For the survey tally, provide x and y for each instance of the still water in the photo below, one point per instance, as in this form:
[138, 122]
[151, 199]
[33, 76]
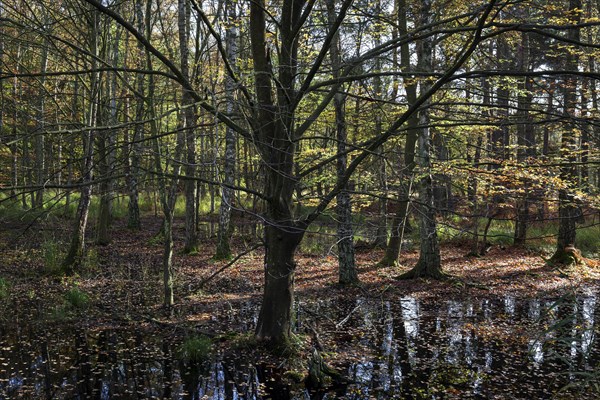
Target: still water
[481, 348]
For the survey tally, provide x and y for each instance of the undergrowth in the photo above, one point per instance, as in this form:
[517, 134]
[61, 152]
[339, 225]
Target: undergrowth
[195, 349]
[4, 289]
[77, 299]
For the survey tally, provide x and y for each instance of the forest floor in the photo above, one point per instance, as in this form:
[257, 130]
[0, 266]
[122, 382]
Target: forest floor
[127, 272]
[122, 284]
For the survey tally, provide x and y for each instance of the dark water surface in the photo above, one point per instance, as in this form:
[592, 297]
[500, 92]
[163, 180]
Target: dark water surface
[482, 348]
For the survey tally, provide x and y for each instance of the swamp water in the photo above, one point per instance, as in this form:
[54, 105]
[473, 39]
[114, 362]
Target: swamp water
[481, 348]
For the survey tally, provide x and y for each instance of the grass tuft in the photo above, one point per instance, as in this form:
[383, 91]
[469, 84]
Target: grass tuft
[195, 349]
[52, 256]
[77, 298]
[4, 289]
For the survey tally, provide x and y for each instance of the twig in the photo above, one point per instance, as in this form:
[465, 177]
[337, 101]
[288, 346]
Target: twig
[342, 322]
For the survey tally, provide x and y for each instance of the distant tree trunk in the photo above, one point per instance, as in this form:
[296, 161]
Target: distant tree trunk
[584, 145]
[345, 243]
[525, 139]
[135, 147]
[567, 209]
[429, 263]
[168, 196]
[76, 251]
[106, 153]
[381, 233]
[15, 133]
[500, 138]
[105, 190]
[472, 182]
[190, 118]
[39, 135]
[224, 232]
[400, 218]
[594, 115]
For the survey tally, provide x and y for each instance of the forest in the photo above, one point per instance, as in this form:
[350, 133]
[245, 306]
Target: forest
[299, 199]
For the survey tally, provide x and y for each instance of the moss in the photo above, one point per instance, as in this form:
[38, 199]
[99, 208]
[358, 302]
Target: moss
[242, 341]
[320, 374]
[567, 256]
[295, 376]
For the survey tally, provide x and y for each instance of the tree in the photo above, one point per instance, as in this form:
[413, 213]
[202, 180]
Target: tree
[345, 242]
[76, 250]
[224, 233]
[189, 122]
[567, 208]
[429, 263]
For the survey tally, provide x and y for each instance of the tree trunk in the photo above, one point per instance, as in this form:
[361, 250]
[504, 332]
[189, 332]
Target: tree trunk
[135, 149]
[525, 139]
[400, 219]
[274, 321]
[567, 211]
[429, 264]
[224, 233]
[39, 136]
[381, 233]
[345, 243]
[76, 251]
[274, 138]
[190, 118]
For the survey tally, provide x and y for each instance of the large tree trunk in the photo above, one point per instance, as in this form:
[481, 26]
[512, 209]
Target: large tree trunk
[274, 138]
[274, 322]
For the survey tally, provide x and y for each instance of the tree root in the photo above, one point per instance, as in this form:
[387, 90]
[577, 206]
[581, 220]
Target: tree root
[419, 271]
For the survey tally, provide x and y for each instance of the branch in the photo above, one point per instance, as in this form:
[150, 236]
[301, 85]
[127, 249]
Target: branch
[378, 141]
[170, 65]
[229, 264]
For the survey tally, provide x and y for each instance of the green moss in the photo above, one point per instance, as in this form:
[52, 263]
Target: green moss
[242, 341]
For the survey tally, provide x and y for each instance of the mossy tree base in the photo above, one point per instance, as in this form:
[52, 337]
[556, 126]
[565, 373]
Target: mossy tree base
[192, 251]
[320, 374]
[567, 256]
[223, 253]
[388, 262]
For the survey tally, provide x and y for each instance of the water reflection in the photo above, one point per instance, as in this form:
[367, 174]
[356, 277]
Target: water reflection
[482, 348]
